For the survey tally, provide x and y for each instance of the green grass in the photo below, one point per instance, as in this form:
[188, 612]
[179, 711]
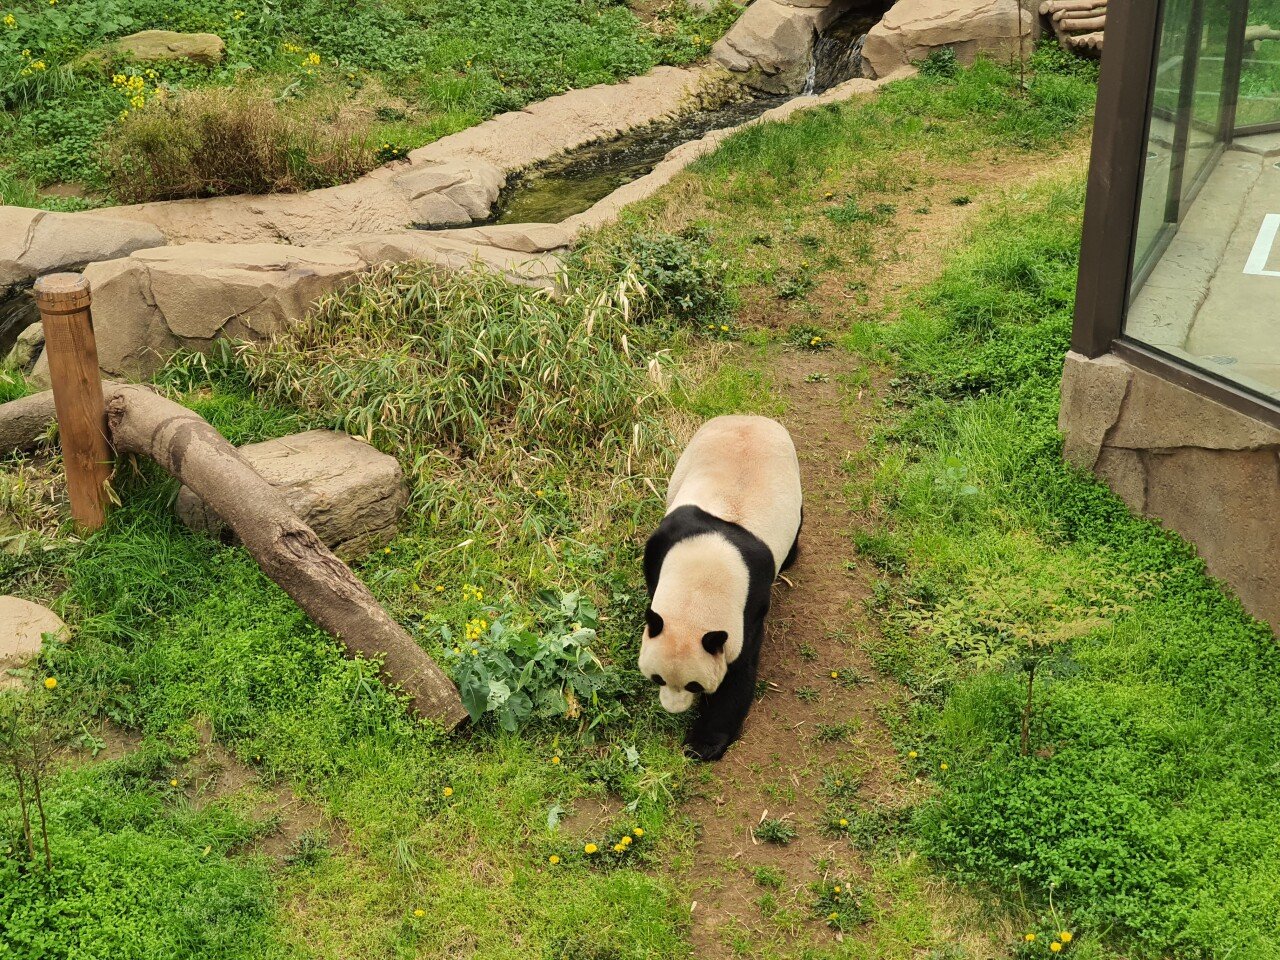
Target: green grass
[1143, 809]
[382, 73]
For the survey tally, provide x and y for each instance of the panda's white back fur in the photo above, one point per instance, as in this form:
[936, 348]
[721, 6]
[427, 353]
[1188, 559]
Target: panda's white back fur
[743, 469]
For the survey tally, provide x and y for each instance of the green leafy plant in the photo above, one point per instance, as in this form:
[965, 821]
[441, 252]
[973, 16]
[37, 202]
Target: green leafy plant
[841, 906]
[775, 830]
[517, 673]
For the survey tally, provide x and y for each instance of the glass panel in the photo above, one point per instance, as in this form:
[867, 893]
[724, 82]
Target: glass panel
[1207, 274]
[1260, 73]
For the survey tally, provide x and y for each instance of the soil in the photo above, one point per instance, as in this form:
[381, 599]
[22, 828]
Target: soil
[786, 765]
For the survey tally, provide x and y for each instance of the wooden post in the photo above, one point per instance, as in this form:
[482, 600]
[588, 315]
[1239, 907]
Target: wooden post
[63, 299]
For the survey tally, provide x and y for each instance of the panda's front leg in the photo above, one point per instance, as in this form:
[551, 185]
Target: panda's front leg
[722, 714]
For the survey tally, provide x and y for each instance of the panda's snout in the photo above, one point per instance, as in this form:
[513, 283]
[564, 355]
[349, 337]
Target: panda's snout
[675, 701]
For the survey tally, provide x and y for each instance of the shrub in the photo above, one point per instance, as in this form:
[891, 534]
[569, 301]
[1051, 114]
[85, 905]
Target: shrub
[216, 142]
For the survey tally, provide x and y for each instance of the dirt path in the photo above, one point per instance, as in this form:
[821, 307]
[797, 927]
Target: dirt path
[815, 746]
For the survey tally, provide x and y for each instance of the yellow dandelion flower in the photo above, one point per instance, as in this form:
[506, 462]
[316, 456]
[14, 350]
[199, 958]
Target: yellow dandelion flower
[724, 327]
[1065, 936]
[835, 674]
[619, 848]
[439, 588]
[53, 3]
[832, 916]
[944, 765]
[844, 822]
[553, 859]
[539, 493]
[386, 549]
[625, 841]
[419, 912]
[50, 682]
[590, 848]
[1055, 946]
[837, 889]
[911, 754]
[1030, 938]
[555, 759]
[173, 783]
[638, 831]
[447, 791]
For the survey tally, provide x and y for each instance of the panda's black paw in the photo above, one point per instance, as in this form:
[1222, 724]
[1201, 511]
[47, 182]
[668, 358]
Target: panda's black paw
[707, 747]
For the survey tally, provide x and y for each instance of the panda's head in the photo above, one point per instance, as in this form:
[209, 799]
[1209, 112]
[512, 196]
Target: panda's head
[693, 627]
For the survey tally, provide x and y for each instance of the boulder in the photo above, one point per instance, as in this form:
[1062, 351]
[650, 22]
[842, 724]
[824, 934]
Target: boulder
[772, 42]
[35, 242]
[203, 48]
[26, 349]
[23, 625]
[350, 494]
[912, 29]
[154, 302]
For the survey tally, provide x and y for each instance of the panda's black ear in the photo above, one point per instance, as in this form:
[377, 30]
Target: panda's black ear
[654, 621]
[714, 641]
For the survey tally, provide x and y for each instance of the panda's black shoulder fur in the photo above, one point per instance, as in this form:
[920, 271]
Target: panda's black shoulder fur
[721, 714]
[692, 521]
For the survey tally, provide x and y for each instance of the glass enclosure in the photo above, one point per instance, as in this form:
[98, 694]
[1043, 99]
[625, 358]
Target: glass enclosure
[1206, 268]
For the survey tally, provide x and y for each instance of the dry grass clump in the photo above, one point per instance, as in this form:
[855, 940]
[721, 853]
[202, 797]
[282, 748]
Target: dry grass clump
[217, 142]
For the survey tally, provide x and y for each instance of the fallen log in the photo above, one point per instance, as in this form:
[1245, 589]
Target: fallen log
[1063, 6]
[287, 550]
[1084, 24]
[25, 422]
[1086, 41]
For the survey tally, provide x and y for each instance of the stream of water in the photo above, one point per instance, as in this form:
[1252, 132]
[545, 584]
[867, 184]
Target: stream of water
[17, 312]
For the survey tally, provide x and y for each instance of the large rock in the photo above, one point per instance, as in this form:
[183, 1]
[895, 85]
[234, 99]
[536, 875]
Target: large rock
[204, 48]
[26, 349]
[772, 42]
[35, 242]
[350, 494]
[23, 625]
[148, 305]
[913, 29]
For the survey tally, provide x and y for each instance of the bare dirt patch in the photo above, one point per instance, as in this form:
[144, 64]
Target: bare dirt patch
[815, 743]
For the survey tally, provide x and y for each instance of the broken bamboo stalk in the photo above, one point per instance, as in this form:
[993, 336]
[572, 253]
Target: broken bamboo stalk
[287, 550]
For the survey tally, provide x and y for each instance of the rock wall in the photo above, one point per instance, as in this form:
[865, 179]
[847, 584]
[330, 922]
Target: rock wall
[771, 44]
[913, 29]
[1206, 471]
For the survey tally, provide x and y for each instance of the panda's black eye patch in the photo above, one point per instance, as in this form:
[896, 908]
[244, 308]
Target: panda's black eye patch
[658, 680]
[714, 641]
[654, 622]
[693, 686]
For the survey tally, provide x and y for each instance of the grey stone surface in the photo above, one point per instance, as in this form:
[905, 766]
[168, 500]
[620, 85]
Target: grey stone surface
[26, 349]
[349, 493]
[912, 29]
[152, 45]
[36, 242]
[1093, 392]
[23, 625]
[771, 43]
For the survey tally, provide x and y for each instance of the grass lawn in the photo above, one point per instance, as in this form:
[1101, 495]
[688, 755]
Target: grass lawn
[305, 96]
[893, 278]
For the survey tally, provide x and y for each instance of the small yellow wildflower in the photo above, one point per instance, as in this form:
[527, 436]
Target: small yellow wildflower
[1065, 936]
[38, 65]
[53, 3]
[832, 916]
[638, 831]
[1030, 938]
[553, 859]
[944, 766]
[539, 493]
[419, 912]
[138, 102]
[835, 674]
[911, 754]
[313, 59]
[844, 822]
[10, 20]
[238, 15]
[555, 759]
[476, 627]
[50, 682]
[123, 114]
[837, 889]
[447, 791]
[590, 848]
[724, 328]
[1055, 946]
[439, 588]
[619, 848]
[625, 841]
[829, 194]
[26, 53]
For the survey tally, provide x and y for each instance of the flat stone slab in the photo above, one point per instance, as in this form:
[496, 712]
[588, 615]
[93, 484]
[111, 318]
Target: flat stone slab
[35, 242]
[350, 494]
[23, 625]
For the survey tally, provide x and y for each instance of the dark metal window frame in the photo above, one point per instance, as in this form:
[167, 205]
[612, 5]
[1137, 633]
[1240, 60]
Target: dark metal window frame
[1113, 195]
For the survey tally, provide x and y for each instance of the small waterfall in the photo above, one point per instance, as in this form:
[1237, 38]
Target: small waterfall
[837, 51]
[17, 312]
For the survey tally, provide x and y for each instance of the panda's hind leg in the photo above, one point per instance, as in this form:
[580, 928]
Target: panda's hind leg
[795, 545]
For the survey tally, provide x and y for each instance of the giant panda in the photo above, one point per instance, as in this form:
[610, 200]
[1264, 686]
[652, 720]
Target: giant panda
[734, 509]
